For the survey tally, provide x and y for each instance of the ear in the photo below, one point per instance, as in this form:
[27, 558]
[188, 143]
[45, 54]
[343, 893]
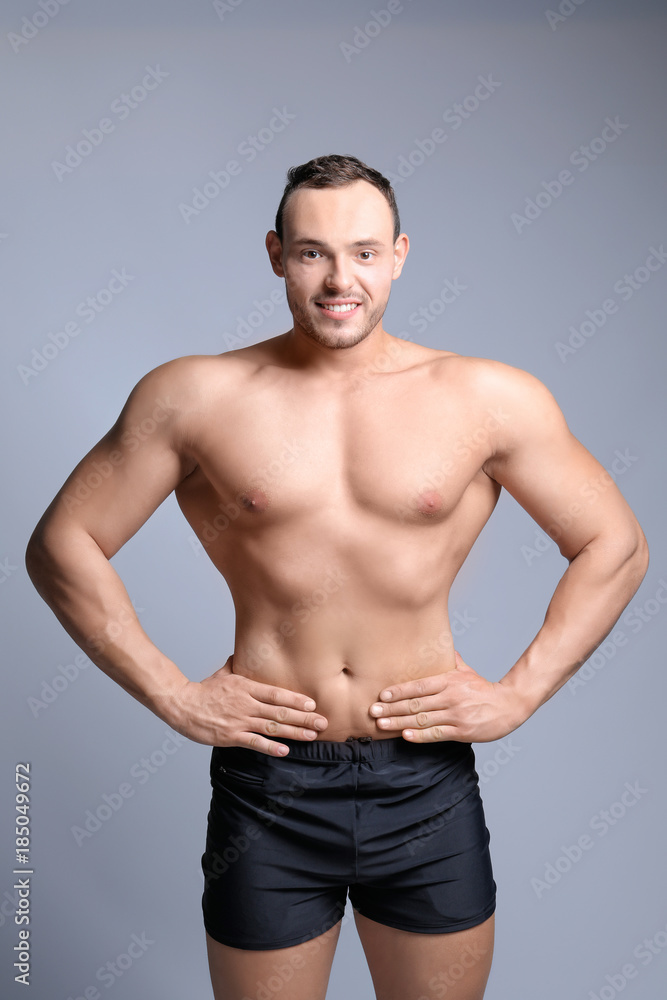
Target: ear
[275, 251]
[401, 247]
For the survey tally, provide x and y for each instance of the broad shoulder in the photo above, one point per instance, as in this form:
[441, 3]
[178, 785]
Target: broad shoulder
[191, 381]
[486, 379]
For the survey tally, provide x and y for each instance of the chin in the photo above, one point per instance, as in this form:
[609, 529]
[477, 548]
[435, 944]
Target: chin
[337, 338]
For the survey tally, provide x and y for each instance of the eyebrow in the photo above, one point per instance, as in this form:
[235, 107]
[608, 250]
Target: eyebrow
[370, 242]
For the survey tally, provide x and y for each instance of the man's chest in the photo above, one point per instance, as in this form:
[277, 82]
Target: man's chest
[399, 453]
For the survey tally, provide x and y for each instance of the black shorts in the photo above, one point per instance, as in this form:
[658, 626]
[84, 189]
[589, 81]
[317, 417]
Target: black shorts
[400, 825]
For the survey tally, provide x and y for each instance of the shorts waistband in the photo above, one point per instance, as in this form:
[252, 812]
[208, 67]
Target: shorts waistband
[366, 748]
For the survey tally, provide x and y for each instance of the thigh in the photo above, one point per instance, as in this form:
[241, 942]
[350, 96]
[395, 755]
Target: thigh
[411, 966]
[300, 972]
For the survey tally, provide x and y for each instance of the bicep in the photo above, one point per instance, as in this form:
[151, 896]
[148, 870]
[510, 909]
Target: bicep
[126, 476]
[554, 477]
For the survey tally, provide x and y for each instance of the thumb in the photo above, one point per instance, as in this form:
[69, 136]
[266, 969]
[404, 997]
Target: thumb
[228, 666]
[460, 662]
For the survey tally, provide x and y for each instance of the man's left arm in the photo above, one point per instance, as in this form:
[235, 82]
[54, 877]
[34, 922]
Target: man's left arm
[571, 496]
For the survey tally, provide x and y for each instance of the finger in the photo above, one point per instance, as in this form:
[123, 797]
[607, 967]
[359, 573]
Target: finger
[270, 694]
[253, 741]
[413, 689]
[411, 706]
[422, 720]
[268, 727]
[290, 717]
[278, 729]
[434, 734]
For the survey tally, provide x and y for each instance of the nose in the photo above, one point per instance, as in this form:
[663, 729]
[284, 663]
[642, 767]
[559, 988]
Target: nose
[339, 275]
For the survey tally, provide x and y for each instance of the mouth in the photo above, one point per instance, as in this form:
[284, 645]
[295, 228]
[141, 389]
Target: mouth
[338, 310]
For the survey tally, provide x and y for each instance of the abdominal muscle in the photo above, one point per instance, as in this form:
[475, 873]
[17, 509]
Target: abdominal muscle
[343, 657]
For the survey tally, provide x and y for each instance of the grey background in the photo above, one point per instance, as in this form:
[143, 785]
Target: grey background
[192, 284]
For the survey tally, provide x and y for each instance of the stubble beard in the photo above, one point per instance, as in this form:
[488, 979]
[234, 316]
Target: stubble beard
[328, 338]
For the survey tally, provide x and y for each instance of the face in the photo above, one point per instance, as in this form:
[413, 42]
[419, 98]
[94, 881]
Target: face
[338, 258]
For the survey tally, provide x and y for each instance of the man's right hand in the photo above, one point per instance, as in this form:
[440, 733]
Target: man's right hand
[228, 709]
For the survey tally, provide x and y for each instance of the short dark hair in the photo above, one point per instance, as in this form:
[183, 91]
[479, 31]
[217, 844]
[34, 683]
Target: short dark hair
[335, 171]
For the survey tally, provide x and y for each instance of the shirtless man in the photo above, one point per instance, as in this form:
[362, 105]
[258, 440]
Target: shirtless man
[337, 477]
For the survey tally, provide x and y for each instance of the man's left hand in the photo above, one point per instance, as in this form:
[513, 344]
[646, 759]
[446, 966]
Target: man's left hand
[456, 705]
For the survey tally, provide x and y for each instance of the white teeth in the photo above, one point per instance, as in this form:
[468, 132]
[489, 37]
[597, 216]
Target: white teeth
[340, 309]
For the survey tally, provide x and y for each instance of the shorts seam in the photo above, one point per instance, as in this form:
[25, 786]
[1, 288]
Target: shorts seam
[459, 925]
[262, 946]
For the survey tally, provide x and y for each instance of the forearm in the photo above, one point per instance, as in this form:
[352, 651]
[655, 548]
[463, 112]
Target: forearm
[597, 585]
[87, 596]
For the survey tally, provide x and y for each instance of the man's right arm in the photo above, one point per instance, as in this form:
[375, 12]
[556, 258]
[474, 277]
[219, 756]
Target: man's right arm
[106, 499]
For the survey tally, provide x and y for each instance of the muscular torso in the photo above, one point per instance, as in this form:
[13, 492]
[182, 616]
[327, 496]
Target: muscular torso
[339, 513]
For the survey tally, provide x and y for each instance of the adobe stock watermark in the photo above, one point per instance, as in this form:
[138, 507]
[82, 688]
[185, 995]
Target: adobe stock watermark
[87, 310]
[247, 326]
[109, 973]
[132, 439]
[112, 802]
[451, 289]
[387, 360]
[31, 26]
[248, 150]
[222, 7]
[565, 10]
[582, 157]
[449, 978]
[301, 612]
[219, 862]
[283, 971]
[262, 479]
[66, 674]
[7, 569]
[121, 107]
[124, 615]
[376, 24]
[590, 491]
[445, 466]
[625, 288]
[635, 619]
[9, 905]
[454, 117]
[436, 649]
[445, 811]
[51, 690]
[645, 952]
[601, 823]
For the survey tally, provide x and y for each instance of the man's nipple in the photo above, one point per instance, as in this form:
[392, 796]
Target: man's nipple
[429, 502]
[254, 500]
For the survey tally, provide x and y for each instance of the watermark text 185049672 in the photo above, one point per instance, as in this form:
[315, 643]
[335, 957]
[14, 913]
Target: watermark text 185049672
[22, 916]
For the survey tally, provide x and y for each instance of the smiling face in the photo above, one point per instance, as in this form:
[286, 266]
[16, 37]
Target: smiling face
[338, 258]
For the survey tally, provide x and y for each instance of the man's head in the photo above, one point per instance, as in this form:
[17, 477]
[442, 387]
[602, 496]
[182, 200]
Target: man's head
[335, 171]
[337, 243]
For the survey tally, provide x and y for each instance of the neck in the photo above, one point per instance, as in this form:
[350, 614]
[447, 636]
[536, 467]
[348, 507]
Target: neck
[375, 353]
